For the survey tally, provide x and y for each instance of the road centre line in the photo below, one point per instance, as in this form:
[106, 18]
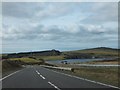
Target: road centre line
[40, 75]
[54, 86]
[37, 72]
[48, 82]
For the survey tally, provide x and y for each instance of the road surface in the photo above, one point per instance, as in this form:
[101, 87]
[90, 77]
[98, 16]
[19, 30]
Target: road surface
[40, 77]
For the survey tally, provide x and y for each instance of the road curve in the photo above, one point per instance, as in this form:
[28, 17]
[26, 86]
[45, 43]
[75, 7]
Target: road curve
[39, 77]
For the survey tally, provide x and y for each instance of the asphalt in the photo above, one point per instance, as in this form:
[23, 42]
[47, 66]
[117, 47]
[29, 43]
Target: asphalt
[40, 77]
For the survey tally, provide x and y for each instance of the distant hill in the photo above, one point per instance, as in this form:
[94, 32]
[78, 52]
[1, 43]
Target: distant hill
[36, 53]
[99, 52]
[102, 48]
[98, 49]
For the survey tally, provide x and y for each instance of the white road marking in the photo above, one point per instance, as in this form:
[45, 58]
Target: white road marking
[37, 72]
[54, 86]
[42, 77]
[40, 74]
[85, 79]
[9, 75]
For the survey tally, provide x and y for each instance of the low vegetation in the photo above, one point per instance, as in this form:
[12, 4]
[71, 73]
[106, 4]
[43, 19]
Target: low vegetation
[60, 57]
[101, 74]
[107, 62]
[25, 59]
[9, 66]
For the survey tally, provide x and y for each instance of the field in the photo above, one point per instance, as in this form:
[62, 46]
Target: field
[59, 57]
[107, 62]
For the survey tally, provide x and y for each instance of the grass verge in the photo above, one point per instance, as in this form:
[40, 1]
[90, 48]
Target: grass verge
[9, 67]
[106, 75]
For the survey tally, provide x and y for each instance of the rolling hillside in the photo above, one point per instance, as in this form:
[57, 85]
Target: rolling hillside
[100, 52]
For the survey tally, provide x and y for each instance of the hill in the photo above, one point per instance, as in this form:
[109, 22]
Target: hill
[99, 52]
[35, 53]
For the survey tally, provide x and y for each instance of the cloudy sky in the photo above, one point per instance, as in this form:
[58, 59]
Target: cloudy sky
[63, 26]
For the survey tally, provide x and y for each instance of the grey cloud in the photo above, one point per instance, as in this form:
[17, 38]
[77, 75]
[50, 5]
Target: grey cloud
[34, 10]
[57, 33]
[102, 12]
[20, 10]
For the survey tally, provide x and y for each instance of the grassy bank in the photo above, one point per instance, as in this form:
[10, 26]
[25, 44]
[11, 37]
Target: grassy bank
[9, 66]
[100, 74]
[12, 64]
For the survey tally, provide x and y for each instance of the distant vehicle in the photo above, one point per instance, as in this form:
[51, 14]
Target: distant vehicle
[64, 62]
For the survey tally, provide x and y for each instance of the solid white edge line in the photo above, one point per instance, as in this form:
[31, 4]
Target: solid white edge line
[9, 75]
[54, 86]
[85, 79]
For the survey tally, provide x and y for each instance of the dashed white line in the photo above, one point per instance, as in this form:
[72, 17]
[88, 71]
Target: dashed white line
[48, 82]
[54, 86]
[9, 75]
[37, 72]
[42, 77]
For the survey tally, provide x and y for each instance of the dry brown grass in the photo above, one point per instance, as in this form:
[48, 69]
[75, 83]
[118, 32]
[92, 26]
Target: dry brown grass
[104, 75]
[104, 62]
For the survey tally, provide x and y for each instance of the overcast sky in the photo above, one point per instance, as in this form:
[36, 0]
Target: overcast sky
[62, 26]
